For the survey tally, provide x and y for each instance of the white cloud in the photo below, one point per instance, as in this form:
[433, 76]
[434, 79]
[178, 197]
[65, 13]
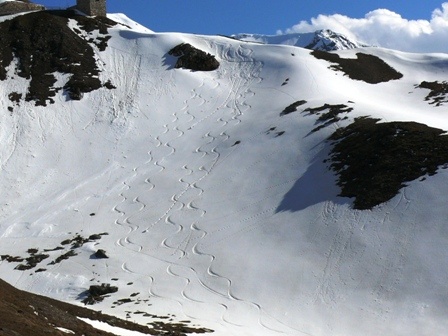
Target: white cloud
[388, 29]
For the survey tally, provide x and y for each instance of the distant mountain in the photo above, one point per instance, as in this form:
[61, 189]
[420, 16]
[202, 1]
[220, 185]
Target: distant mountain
[324, 40]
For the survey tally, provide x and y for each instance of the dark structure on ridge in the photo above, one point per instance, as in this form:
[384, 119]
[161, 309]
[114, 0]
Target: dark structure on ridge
[92, 7]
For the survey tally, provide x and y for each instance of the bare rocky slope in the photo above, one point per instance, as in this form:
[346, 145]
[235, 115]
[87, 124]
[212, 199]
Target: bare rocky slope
[25, 314]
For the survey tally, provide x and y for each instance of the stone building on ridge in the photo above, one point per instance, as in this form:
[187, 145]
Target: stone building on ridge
[92, 7]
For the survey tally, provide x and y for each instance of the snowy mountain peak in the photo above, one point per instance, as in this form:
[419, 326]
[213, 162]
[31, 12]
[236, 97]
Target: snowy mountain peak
[325, 40]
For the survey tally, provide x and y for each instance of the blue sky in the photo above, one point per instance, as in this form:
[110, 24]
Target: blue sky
[249, 16]
[407, 25]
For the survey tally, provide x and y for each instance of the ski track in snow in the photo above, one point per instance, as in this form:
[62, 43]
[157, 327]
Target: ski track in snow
[187, 236]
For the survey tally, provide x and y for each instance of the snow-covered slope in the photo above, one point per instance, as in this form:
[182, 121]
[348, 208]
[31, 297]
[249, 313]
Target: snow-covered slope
[212, 205]
[325, 40]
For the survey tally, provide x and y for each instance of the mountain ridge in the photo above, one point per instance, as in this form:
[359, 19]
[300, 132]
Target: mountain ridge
[323, 40]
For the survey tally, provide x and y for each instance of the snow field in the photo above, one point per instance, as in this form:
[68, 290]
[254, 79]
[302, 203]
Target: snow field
[213, 214]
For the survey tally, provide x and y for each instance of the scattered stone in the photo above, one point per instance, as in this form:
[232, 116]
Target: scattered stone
[330, 117]
[109, 85]
[10, 259]
[272, 129]
[65, 256]
[79, 241]
[54, 249]
[122, 301]
[32, 261]
[15, 97]
[97, 293]
[438, 92]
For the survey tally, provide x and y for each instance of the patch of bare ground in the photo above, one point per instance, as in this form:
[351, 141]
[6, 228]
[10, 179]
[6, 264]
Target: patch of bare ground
[34, 258]
[192, 58]
[438, 92]
[25, 314]
[39, 317]
[328, 114]
[374, 160]
[365, 67]
[293, 107]
[43, 44]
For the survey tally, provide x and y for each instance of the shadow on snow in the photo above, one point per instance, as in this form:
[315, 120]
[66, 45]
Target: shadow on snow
[316, 185]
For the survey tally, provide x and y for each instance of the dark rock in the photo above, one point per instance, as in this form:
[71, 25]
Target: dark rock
[9, 258]
[65, 256]
[15, 97]
[96, 293]
[365, 67]
[103, 289]
[101, 254]
[293, 107]
[374, 160]
[331, 115]
[438, 92]
[43, 44]
[192, 58]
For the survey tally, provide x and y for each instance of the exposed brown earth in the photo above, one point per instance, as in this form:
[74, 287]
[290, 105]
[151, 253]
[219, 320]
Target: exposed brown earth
[367, 68]
[438, 92]
[328, 114]
[40, 52]
[375, 160]
[26, 314]
[293, 107]
[192, 58]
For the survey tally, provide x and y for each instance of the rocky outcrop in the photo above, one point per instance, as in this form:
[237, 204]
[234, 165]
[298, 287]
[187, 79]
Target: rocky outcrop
[67, 51]
[192, 58]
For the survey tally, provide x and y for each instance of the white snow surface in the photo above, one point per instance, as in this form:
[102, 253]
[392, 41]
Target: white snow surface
[113, 330]
[245, 238]
[67, 331]
[125, 20]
